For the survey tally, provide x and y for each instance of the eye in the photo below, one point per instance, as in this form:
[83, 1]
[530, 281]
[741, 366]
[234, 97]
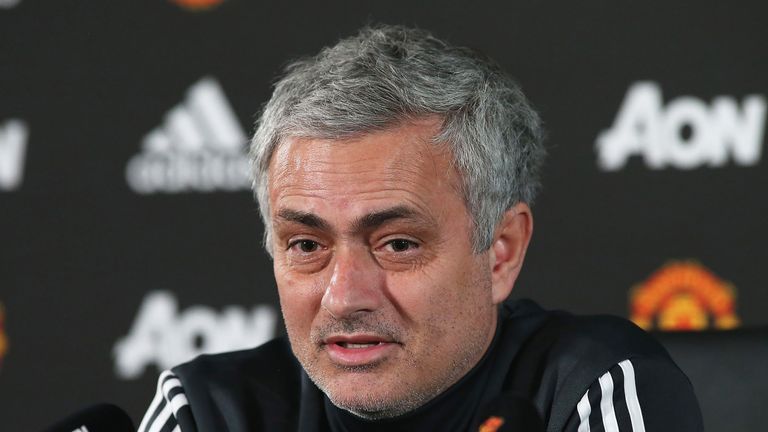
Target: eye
[305, 246]
[402, 245]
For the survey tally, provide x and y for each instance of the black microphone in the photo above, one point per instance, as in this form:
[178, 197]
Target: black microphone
[509, 413]
[97, 418]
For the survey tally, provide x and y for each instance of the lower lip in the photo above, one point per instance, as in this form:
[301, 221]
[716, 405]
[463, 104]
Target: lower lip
[359, 356]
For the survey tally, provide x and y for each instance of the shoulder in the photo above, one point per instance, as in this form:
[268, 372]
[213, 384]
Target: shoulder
[599, 336]
[270, 361]
[643, 393]
[567, 354]
[268, 368]
[258, 389]
[599, 340]
[169, 409]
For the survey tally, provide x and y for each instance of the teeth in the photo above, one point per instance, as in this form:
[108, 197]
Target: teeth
[357, 345]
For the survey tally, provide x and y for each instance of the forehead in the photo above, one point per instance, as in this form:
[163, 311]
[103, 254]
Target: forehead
[399, 163]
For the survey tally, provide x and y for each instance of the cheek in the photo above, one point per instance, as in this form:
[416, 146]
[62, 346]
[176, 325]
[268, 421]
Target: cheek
[300, 302]
[414, 296]
[449, 298]
[427, 301]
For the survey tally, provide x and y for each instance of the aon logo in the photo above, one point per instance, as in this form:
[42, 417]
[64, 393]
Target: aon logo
[685, 134]
[163, 336]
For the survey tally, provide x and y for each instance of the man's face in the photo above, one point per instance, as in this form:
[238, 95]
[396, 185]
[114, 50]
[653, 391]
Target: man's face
[384, 301]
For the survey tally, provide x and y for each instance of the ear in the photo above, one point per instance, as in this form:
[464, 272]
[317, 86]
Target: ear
[510, 241]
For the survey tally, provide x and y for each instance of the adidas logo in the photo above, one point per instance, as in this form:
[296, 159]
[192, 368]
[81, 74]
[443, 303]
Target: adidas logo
[13, 146]
[200, 147]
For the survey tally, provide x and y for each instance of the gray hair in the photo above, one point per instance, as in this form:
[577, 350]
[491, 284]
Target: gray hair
[389, 74]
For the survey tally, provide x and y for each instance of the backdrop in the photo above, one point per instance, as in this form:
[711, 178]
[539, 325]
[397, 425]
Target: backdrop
[130, 241]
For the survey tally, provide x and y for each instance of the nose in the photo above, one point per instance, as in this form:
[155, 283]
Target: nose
[356, 285]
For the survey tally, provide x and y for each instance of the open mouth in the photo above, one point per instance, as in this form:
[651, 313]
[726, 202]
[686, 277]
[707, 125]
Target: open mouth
[357, 345]
[359, 350]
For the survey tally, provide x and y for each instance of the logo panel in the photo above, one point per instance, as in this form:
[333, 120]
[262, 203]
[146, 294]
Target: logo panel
[7, 4]
[13, 147]
[200, 147]
[3, 336]
[683, 295]
[162, 335]
[685, 134]
[197, 5]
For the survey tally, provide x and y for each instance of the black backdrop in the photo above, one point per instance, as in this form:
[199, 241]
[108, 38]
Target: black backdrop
[97, 274]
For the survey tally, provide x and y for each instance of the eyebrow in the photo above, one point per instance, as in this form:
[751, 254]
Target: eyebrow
[365, 222]
[304, 218]
[378, 218]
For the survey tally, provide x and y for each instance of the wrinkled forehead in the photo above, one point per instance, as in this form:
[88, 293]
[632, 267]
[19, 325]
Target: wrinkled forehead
[405, 145]
[405, 157]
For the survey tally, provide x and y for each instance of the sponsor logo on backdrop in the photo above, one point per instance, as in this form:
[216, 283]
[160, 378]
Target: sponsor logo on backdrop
[684, 295]
[3, 336]
[163, 336]
[7, 4]
[13, 147]
[200, 147]
[687, 133]
[197, 5]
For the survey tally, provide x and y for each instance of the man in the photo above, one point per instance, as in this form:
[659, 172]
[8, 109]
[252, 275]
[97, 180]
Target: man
[394, 174]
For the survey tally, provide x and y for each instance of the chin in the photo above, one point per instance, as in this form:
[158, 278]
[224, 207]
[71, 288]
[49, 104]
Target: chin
[370, 406]
[370, 400]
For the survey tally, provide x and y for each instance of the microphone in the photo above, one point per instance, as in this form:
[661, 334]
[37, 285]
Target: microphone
[97, 418]
[510, 413]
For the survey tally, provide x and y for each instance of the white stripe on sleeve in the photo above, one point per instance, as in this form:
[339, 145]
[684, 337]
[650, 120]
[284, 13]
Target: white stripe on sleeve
[606, 403]
[630, 393]
[152, 408]
[177, 402]
[585, 409]
[162, 410]
[170, 383]
[161, 419]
